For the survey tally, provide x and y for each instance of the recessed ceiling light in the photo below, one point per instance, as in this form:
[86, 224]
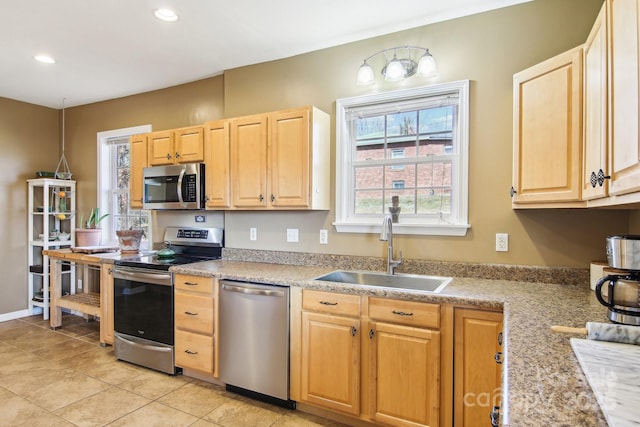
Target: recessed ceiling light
[45, 59]
[167, 15]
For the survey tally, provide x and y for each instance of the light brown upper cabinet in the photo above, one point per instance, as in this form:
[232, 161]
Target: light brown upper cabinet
[280, 160]
[547, 131]
[624, 75]
[216, 158]
[595, 174]
[184, 145]
[138, 161]
[546, 127]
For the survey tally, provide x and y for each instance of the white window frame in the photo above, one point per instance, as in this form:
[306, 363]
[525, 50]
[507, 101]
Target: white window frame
[104, 174]
[347, 222]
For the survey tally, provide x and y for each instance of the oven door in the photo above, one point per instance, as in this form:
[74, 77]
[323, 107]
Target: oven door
[143, 304]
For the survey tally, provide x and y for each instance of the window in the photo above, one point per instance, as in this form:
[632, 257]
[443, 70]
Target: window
[113, 186]
[410, 143]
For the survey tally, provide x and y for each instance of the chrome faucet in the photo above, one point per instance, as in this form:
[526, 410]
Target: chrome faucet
[387, 234]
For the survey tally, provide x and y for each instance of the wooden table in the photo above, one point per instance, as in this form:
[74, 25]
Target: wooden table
[91, 303]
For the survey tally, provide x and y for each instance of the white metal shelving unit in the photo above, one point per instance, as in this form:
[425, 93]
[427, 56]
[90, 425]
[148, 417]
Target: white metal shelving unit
[51, 209]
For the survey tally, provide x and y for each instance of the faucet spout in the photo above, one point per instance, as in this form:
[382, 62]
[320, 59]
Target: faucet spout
[386, 234]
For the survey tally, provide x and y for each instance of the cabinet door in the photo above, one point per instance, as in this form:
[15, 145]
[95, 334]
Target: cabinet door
[161, 148]
[138, 159]
[189, 144]
[194, 312]
[331, 362]
[216, 151]
[477, 375]
[249, 161]
[595, 169]
[547, 130]
[289, 147]
[624, 138]
[404, 375]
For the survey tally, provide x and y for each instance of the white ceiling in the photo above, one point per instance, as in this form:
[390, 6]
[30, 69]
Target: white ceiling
[107, 49]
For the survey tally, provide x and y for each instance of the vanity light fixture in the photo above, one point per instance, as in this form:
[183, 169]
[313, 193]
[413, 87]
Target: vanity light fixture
[399, 63]
[46, 59]
[166, 15]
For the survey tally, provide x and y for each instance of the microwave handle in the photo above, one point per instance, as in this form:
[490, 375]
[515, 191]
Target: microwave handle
[179, 186]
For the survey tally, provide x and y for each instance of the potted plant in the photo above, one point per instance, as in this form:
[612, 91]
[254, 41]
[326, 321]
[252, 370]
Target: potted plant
[130, 236]
[88, 233]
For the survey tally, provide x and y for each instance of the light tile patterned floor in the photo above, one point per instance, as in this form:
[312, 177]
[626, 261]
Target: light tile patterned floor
[65, 378]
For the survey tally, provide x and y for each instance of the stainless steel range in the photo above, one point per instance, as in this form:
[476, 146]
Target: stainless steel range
[143, 296]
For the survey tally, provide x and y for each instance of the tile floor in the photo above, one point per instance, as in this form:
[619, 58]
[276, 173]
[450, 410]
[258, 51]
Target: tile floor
[65, 378]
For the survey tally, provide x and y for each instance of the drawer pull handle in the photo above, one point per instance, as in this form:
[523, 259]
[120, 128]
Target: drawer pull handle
[190, 283]
[189, 313]
[328, 303]
[402, 313]
[190, 352]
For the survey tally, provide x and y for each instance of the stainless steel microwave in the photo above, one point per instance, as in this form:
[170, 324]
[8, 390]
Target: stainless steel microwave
[173, 187]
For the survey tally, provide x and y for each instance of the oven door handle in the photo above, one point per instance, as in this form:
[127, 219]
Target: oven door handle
[139, 276]
[252, 291]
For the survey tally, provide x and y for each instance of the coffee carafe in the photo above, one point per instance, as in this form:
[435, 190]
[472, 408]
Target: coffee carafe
[620, 293]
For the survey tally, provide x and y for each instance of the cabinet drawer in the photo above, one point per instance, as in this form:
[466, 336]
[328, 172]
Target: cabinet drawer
[193, 283]
[331, 302]
[194, 351]
[194, 313]
[405, 312]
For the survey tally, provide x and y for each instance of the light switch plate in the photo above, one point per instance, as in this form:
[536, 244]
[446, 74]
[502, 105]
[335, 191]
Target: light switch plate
[502, 242]
[324, 237]
[253, 233]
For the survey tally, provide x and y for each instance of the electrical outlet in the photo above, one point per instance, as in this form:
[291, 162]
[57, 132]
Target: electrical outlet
[324, 237]
[292, 235]
[502, 242]
[253, 233]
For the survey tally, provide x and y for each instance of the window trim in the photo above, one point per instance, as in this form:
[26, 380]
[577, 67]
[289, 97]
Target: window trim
[103, 163]
[344, 223]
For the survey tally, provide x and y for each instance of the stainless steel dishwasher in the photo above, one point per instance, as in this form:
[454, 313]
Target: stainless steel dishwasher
[254, 340]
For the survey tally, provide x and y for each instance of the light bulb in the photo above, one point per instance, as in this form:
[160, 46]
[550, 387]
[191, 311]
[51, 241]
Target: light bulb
[394, 71]
[427, 66]
[365, 75]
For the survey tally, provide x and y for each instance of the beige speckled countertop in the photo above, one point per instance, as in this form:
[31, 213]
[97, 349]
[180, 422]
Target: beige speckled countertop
[543, 382]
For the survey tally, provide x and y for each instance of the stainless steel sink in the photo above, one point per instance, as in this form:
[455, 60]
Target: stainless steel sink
[399, 281]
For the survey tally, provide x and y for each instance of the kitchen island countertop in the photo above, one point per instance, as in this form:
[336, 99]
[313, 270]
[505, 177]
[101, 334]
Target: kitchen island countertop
[543, 382]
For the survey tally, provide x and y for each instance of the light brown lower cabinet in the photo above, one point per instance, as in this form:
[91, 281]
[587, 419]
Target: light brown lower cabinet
[196, 323]
[477, 366]
[404, 375]
[330, 365]
[371, 358]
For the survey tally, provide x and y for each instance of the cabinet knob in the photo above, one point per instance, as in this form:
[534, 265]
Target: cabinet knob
[371, 334]
[273, 198]
[512, 192]
[601, 177]
[498, 358]
[500, 338]
[177, 154]
[168, 156]
[593, 179]
[354, 331]
[260, 197]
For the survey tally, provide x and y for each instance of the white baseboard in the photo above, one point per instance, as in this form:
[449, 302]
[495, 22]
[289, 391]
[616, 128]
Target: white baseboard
[18, 314]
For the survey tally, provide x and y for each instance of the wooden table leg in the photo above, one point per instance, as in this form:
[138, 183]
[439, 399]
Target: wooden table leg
[55, 282]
